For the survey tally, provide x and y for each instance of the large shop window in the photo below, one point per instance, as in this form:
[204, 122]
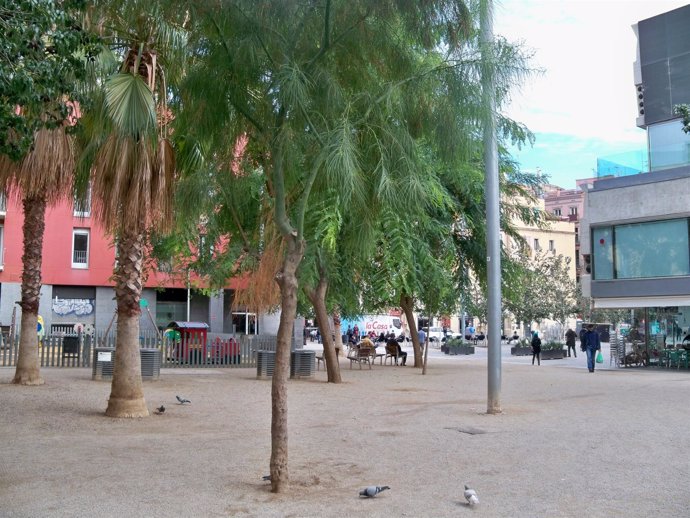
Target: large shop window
[641, 250]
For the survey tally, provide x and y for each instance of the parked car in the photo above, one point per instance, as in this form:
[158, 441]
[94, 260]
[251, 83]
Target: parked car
[435, 334]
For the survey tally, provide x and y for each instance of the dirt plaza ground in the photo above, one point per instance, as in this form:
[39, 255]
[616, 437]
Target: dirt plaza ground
[568, 443]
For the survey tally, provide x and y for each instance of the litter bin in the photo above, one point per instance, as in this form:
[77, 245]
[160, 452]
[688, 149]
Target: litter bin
[302, 363]
[265, 364]
[103, 358]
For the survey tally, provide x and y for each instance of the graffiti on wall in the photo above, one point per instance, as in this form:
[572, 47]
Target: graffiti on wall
[79, 307]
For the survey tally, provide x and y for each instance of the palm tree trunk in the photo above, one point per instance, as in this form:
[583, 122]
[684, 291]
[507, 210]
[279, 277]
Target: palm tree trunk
[317, 297]
[287, 281]
[28, 365]
[407, 305]
[127, 390]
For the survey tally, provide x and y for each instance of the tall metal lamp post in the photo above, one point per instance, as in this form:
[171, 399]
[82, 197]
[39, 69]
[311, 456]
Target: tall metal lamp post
[493, 237]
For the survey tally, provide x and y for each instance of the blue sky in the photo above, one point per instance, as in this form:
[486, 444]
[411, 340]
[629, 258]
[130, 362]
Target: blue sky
[583, 105]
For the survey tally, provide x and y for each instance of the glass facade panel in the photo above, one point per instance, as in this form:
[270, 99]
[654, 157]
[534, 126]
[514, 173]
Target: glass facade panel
[602, 253]
[654, 249]
[668, 145]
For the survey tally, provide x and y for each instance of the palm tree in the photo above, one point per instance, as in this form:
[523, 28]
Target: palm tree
[42, 177]
[132, 164]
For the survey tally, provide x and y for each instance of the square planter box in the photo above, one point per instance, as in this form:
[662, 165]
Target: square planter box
[465, 349]
[522, 351]
[552, 354]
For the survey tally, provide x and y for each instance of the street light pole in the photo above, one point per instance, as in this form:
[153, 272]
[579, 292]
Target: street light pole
[493, 237]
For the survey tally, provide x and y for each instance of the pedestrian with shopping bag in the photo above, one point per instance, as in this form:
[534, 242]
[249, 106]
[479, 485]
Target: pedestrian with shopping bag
[592, 345]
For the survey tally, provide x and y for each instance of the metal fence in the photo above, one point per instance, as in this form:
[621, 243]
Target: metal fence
[219, 350]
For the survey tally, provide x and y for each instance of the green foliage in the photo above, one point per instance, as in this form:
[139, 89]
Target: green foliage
[551, 346]
[541, 289]
[130, 104]
[42, 58]
[684, 111]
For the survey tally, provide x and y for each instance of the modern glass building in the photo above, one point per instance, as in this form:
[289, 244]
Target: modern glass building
[635, 237]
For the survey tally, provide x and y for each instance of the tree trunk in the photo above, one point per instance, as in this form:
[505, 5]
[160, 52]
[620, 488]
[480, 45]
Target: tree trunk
[338, 331]
[127, 389]
[317, 297]
[28, 370]
[287, 281]
[407, 305]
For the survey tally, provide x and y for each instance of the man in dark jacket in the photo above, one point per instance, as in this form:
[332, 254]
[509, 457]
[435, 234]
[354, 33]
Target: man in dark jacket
[592, 344]
[570, 336]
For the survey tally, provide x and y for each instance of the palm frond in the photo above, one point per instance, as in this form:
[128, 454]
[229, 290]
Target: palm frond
[130, 105]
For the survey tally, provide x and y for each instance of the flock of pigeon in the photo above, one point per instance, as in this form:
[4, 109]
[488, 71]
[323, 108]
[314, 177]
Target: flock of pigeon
[181, 400]
[372, 491]
[367, 492]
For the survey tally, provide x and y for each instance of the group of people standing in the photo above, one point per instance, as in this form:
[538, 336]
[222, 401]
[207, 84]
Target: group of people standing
[589, 343]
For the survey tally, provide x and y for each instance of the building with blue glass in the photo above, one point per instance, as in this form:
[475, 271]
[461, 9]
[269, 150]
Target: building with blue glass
[635, 237]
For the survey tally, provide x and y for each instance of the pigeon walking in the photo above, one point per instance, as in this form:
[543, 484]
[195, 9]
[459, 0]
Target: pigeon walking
[160, 409]
[267, 478]
[471, 496]
[372, 491]
[182, 400]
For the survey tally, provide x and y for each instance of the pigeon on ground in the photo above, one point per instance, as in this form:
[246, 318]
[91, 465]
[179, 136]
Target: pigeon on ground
[267, 478]
[160, 409]
[182, 400]
[471, 496]
[372, 491]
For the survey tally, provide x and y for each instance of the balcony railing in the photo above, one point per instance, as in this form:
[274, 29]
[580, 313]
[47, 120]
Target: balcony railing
[80, 257]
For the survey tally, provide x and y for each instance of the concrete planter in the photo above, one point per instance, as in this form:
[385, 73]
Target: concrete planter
[521, 351]
[465, 349]
[553, 354]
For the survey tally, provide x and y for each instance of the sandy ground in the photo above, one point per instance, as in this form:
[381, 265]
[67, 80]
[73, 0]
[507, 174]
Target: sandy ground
[569, 443]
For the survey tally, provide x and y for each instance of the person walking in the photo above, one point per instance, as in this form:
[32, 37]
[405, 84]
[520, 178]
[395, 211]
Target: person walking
[536, 348]
[592, 344]
[421, 336]
[570, 336]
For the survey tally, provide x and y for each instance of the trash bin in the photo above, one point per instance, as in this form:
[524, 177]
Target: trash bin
[103, 359]
[265, 364]
[302, 363]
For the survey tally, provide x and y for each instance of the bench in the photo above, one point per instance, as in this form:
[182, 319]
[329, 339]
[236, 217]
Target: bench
[361, 355]
[320, 359]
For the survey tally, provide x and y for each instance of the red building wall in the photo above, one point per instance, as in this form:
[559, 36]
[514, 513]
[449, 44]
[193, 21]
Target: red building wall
[57, 250]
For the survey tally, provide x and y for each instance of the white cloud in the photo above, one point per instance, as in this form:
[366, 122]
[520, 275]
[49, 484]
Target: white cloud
[586, 49]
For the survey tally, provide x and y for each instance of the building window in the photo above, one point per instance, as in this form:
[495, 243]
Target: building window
[654, 249]
[573, 211]
[556, 212]
[3, 202]
[80, 248]
[641, 250]
[536, 245]
[2, 247]
[83, 209]
[668, 145]
[552, 246]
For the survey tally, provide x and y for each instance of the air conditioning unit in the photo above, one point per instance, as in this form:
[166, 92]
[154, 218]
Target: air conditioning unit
[265, 364]
[302, 363]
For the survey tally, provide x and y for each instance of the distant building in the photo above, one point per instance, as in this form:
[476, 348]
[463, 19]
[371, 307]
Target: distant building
[78, 261]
